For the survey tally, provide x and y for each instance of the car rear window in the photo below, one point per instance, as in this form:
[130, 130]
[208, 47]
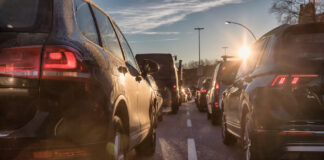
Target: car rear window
[25, 15]
[166, 71]
[305, 46]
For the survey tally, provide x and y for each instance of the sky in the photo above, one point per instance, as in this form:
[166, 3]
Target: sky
[167, 26]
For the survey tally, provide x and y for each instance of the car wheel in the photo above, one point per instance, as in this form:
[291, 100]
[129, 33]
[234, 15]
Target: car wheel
[248, 144]
[174, 109]
[118, 147]
[147, 147]
[215, 119]
[227, 137]
[208, 115]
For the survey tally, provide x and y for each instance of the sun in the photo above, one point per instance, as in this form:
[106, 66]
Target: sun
[244, 52]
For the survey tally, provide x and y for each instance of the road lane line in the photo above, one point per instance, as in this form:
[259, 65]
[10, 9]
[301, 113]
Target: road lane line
[192, 153]
[189, 123]
[188, 113]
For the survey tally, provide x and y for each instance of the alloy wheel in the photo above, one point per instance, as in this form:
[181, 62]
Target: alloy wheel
[118, 153]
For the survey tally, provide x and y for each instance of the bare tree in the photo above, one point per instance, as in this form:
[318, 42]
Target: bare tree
[287, 11]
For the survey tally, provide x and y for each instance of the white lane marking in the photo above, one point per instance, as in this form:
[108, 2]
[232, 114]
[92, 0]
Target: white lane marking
[192, 153]
[189, 123]
[188, 113]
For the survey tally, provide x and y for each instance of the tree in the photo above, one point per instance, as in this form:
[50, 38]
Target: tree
[288, 11]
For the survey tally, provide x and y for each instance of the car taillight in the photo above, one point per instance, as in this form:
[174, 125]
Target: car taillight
[291, 79]
[217, 86]
[174, 86]
[20, 61]
[216, 105]
[61, 153]
[61, 62]
[203, 90]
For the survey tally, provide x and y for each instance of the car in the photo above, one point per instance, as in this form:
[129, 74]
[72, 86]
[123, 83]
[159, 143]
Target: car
[198, 88]
[184, 96]
[275, 104]
[69, 83]
[158, 98]
[166, 78]
[214, 95]
[202, 99]
[188, 91]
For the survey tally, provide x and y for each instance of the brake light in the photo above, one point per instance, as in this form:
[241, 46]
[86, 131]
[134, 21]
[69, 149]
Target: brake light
[203, 90]
[174, 86]
[20, 61]
[217, 86]
[291, 79]
[62, 62]
[216, 105]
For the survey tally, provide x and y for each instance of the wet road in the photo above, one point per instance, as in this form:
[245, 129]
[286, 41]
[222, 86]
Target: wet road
[188, 135]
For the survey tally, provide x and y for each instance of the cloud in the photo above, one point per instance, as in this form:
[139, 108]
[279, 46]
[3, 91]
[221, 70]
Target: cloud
[142, 18]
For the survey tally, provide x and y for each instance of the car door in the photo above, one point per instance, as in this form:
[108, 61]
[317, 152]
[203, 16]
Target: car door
[143, 91]
[237, 94]
[124, 81]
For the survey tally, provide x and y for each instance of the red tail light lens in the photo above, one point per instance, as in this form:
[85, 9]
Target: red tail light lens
[203, 90]
[292, 79]
[62, 62]
[216, 105]
[61, 153]
[174, 86]
[20, 61]
[217, 86]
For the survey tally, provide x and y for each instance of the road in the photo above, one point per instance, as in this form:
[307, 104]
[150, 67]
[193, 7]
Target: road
[188, 135]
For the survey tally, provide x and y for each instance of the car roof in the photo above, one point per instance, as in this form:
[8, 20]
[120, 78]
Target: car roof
[298, 28]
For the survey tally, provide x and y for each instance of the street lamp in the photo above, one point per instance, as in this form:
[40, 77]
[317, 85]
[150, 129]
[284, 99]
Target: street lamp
[199, 29]
[229, 22]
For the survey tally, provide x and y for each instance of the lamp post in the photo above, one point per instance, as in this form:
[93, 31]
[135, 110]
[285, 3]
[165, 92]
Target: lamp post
[199, 29]
[229, 22]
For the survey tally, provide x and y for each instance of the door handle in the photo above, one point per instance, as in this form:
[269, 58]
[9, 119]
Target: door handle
[122, 69]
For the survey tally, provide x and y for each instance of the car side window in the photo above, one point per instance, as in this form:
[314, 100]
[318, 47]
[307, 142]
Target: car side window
[108, 34]
[128, 51]
[85, 21]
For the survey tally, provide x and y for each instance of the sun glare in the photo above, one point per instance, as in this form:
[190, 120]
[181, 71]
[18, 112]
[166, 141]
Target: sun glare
[244, 52]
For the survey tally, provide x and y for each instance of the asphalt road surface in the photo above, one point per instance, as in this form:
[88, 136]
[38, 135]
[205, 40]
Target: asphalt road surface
[188, 135]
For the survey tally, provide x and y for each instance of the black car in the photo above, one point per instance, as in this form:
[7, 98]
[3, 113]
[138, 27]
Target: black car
[68, 84]
[214, 94]
[198, 88]
[166, 78]
[276, 102]
[201, 98]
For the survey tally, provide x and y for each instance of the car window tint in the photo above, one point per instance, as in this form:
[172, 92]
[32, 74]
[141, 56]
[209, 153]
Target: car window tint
[85, 21]
[108, 34]
[128, 51]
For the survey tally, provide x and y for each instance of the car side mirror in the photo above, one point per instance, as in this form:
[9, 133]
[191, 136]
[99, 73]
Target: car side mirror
[150, 67]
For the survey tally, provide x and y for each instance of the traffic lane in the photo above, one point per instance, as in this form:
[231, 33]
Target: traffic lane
[173, 134]
[209, 139]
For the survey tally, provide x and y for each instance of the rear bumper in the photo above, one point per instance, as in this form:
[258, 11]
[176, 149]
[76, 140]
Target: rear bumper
[275, 143]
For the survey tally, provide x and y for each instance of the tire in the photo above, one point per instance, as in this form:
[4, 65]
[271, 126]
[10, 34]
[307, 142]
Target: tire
[117, 147]
[248, 143]
[216, 120]
[174, 109]
[147, 147]
[208, 115]
[227, 137]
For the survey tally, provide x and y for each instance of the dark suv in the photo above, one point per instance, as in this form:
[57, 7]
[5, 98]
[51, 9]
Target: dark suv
[225, 68]
[69, 84]
[276, 103]
[166, 78]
